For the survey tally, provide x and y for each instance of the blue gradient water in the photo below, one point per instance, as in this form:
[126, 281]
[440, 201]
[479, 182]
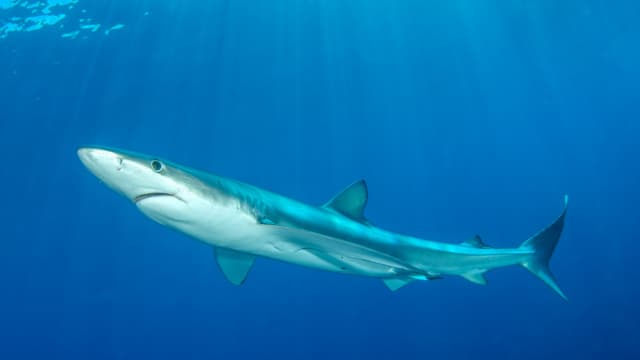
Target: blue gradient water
[464, 117]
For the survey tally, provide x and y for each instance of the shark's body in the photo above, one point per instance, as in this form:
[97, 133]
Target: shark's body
[243, 222]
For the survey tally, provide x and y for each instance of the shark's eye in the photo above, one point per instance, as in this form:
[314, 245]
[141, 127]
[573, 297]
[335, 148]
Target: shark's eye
[157, 165]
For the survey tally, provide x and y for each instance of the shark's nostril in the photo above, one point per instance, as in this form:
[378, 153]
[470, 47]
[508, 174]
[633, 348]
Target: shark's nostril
[119, 161]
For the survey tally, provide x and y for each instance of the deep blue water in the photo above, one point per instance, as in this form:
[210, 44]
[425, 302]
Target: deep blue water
[463, 116]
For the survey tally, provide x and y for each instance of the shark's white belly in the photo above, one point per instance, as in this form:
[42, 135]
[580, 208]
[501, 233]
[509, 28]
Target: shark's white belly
[239, 231]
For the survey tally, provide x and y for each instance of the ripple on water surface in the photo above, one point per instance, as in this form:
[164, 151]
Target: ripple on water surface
[64, 16]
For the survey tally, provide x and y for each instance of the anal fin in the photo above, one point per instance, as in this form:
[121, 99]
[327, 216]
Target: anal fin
[476, 277]
[396, 283]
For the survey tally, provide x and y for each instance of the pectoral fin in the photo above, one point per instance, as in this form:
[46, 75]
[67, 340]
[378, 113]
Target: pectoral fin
[234, 265]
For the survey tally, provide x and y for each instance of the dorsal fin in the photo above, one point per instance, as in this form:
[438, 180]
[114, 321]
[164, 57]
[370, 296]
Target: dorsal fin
[476, 242]
[351, 201]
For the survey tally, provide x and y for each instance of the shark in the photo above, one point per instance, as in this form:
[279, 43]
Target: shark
[243, 222]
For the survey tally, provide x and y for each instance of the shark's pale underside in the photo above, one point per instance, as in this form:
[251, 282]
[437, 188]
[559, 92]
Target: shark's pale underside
[243, 222]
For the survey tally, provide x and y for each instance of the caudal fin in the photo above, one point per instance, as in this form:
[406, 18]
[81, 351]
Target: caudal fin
[544, 243]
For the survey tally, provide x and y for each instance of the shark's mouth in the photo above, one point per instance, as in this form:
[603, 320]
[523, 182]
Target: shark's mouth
[152, 195]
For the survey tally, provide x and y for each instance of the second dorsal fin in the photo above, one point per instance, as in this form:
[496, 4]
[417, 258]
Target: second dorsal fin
[476, 242]
[351, 201]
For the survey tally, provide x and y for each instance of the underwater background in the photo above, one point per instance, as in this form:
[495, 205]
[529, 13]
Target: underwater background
[464, 116]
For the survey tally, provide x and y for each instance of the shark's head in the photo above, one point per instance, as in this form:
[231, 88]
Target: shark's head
[161, 190]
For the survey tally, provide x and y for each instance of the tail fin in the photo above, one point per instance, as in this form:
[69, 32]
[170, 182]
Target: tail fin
[544, 243]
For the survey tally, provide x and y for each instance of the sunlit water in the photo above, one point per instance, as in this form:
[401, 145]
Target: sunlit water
[464, 117]
[67, 17]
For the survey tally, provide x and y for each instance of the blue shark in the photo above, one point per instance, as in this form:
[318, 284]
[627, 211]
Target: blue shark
[242, 222]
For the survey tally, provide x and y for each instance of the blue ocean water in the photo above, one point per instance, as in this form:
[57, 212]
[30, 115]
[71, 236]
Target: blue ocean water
[463, 116]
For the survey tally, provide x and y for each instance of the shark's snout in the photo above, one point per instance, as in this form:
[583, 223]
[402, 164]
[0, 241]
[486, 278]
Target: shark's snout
[85, 156]
[99, 160]
[135, 176]
[109, 166]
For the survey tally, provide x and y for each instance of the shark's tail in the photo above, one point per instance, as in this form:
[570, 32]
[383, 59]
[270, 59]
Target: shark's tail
[543, 243]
